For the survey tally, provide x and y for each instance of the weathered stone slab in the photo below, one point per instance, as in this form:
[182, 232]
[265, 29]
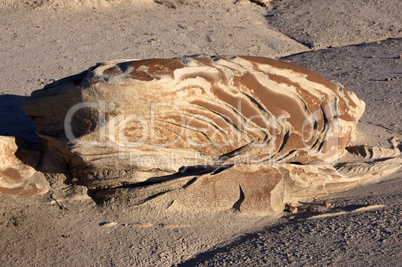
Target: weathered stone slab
[326, 23]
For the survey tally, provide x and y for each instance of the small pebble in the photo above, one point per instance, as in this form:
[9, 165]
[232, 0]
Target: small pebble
[263, 3]
[108, 224]
[290, 208]
[139, 224]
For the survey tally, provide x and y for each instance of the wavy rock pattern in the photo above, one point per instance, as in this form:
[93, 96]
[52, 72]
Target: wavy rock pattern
[145, 113]
[243, 132]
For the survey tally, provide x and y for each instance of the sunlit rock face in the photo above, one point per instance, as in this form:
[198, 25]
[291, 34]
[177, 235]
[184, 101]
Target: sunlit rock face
[17, 178]
[243, 133]
[124, 122]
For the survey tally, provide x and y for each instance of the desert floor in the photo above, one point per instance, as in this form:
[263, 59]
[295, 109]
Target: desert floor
[358, 44]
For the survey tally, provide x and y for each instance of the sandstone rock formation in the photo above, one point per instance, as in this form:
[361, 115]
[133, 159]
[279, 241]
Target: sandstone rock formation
[243, 132]
[17, 178]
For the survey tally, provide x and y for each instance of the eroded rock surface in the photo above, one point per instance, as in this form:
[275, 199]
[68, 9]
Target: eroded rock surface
[248, 133]
[139, 116]
[16, 177]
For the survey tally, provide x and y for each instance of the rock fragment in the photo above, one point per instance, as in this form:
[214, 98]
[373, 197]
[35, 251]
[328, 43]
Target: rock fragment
[17, 178]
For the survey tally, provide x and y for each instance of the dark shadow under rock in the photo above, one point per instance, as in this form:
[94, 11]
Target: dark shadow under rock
[14, 121]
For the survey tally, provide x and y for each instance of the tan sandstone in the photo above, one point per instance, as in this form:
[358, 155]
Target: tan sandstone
[17, 178]
[248, 133]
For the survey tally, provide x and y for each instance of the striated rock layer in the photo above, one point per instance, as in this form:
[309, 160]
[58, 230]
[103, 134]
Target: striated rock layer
[126, 122]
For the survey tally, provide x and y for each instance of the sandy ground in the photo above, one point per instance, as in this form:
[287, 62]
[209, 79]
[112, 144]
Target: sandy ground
[358, 44]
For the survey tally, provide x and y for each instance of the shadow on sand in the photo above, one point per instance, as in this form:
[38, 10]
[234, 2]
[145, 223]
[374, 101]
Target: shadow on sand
[13, 120]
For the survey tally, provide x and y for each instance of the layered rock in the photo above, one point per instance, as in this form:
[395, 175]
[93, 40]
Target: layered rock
[129, 118]
[17, 178]
[123, 123]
